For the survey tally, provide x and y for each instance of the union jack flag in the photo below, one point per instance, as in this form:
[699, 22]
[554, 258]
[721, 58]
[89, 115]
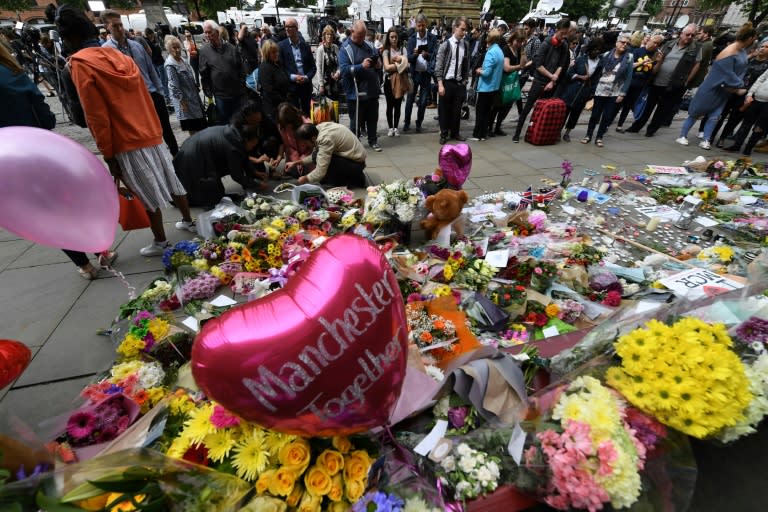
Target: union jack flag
[547, 197]
[526, 199]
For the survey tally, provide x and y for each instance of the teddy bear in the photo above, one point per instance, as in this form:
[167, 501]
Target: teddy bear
[445, 207]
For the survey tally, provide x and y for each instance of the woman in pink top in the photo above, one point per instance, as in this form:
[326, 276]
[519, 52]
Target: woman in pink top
[289, 118]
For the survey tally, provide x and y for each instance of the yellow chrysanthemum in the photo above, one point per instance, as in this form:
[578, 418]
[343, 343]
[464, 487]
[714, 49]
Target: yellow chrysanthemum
[178, 447]
[219, 444]
[200, 264]
[123, 370]
[159, 328]
[552, 310]
[272, 233]
[250, 456]
[278, 223]
[199, 424]
[131, 346]
[273, 441]
[685, 375]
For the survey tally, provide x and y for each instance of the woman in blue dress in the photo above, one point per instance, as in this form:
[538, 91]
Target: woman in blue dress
[725, 77]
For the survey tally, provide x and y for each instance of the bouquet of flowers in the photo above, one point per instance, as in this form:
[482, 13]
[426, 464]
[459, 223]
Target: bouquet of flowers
[399, 201]
[311, 474]
[469, 472]
[686, 375]
[146, 329]
[429, 332]
[182, 253]
[584, 453]
[536, 274]
[511, 298]
[102, 421]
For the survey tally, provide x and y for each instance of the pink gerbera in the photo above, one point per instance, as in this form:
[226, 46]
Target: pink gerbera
[222, 418]
[81, 425]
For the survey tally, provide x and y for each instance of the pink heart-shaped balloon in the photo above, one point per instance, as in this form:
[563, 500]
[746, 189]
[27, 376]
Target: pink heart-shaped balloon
[455, 161]
[325, 355]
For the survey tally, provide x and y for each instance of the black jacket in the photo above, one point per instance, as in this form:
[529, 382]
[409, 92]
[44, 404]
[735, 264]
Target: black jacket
[551, 57]
[275, 88]
[207, 156]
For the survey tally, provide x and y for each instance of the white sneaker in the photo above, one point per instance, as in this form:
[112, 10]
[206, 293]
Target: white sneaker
[682, 141]
[391, 132]
[187, 226]
[700, 135]
[704, 144]
[395, 132]
[154, 249]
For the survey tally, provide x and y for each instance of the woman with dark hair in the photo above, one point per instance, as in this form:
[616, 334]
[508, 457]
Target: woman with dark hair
[395, 63]
[610, 89]
[726, 76]
[121, 116]
[217, 151]
[514, 60]
[338, 154]
[289, 119]
[582, 80]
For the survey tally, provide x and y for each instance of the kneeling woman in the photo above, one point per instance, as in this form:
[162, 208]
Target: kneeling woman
[213, 153]
[338, 155]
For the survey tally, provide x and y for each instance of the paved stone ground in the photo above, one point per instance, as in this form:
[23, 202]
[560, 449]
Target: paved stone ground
[45, 304]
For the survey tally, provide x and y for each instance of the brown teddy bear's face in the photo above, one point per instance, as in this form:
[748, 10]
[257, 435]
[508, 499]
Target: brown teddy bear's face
[447, 203]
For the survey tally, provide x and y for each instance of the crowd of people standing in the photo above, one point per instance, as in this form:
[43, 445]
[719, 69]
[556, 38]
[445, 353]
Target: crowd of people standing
[252, 134]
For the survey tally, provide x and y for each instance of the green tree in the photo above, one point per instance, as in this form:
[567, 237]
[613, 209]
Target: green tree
[653, 7]
[756, 10]
[511, 12]
[578, 8]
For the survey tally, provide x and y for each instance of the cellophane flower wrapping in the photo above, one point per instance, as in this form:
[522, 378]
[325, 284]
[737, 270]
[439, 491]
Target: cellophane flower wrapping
[587, 448]
[184, 486]
[401, 488]
[400, 200]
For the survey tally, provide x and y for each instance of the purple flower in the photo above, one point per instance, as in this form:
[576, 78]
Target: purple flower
[81, 425]
[39, 469]
[457, 416]
[113, 389]
[567, 169]
[753, 330]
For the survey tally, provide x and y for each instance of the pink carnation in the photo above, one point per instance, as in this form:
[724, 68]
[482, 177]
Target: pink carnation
[221, 418]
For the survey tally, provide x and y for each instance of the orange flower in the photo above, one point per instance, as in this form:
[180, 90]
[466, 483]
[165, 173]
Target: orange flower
[247, 255]
[426, 337]
[438, 324]
[140, 397]
[235, 258]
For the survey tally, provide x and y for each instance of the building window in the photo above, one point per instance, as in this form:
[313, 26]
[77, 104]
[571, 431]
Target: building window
[685, 3]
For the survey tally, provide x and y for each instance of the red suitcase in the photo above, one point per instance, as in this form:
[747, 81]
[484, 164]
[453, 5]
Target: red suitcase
[547, 122]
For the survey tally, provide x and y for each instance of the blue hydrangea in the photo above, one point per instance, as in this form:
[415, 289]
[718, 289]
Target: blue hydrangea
[186, 246]
[379, 502]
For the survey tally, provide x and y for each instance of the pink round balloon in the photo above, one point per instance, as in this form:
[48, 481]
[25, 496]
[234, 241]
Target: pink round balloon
[325, 355]
[54, 191]
[455, 161]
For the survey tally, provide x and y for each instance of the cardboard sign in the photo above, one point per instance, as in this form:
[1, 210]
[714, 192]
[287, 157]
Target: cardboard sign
[696, 283]
[666, 169]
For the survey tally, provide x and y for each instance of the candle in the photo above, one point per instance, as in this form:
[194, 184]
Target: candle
[653, 224]
[584, 182]
[604, 187]
[734, 175]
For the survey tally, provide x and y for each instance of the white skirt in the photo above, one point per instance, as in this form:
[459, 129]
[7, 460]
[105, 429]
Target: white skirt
[149, 173]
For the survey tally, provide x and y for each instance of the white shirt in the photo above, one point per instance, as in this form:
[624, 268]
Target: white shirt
[449, 72]
[421, 62]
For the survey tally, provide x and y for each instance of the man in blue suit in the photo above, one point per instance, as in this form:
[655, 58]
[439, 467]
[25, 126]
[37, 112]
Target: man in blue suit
[298, 62]
[422, 50]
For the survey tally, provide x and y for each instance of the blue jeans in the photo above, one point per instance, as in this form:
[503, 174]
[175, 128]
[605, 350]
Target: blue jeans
[421, 85]
[226, 108]
[709, 125]
[164, 79]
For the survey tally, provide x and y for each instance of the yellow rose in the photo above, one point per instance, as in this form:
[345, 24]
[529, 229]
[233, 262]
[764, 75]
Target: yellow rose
[265, 481]
[294, 498]
[317, 481]
[332, 461]
[356, 465]
[123, 506]
[310, 503]
[282, 481]
[265, 504]
[295, 454]
[355, 490]
[337, 489]
[342, 444]
[95, 503]
[339, 506]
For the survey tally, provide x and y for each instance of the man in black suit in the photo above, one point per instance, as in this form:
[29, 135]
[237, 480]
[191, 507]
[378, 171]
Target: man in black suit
[298, 62]
[452, 73]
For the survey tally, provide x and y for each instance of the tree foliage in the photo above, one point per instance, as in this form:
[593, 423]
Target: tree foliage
[756, 10]
[578, 8]
[511, 12]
